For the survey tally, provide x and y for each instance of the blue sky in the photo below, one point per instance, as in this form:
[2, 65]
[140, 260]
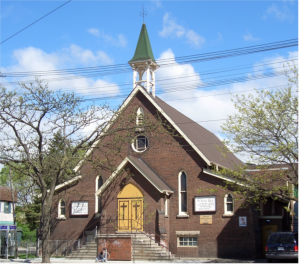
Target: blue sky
[94, 33]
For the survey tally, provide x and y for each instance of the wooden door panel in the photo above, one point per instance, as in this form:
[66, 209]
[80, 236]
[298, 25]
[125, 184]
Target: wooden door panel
[124, 213]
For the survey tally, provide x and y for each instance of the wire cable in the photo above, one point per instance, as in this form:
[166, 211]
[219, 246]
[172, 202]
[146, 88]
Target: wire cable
[35, 21]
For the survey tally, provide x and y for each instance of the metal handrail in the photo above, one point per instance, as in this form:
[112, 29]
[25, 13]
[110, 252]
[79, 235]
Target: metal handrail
[149, 236]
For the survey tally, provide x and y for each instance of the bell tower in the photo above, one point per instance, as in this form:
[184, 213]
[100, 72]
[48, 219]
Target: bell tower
[143, 63]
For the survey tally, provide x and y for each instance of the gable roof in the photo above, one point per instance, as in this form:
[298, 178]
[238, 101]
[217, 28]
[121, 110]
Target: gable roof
[143, 49]
[144, 169]
[203, 139]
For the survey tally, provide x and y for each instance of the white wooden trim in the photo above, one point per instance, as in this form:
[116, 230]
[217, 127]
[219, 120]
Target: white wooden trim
[119, 168]
[206, 171]
[64, 184]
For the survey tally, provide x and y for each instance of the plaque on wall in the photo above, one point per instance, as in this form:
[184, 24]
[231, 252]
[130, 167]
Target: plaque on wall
[205, 203]
[80, 208]
[205, 219]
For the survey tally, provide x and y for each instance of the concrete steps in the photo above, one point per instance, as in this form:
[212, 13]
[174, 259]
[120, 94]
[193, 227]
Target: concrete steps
[87, 252]
[143, 248]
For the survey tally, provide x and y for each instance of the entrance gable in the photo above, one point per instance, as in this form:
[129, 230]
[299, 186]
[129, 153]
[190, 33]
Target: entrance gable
[146, 172]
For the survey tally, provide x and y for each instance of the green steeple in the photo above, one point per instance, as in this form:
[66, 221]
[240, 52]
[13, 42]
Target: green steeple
[143, 49]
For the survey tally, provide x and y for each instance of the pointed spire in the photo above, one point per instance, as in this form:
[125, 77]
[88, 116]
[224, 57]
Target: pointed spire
[143, 49]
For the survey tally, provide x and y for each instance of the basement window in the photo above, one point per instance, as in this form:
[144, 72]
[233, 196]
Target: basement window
[187, 241]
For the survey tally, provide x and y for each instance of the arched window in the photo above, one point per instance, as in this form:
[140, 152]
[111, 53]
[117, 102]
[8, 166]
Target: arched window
[182, 193]
[99, 183]
[61, 209]
[228, 204]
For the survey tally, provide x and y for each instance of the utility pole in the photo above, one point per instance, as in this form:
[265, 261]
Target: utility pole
[14, 213]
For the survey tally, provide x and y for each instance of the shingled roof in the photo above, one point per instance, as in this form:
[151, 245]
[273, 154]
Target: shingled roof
[203, 139]
[143, 49]
[5, 194]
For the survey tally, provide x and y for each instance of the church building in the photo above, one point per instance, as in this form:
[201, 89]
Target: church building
[164, 183]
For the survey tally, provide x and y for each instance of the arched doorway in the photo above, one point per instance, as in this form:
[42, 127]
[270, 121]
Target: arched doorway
[130, 208]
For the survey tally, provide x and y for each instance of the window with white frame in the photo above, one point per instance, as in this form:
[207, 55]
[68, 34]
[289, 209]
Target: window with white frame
[61, 209]
[140, 143]
[182, 193]
[185, 241]
[228, 204]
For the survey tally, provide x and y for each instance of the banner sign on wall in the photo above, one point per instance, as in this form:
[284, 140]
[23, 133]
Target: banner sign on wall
[205, 203]
[80, 208]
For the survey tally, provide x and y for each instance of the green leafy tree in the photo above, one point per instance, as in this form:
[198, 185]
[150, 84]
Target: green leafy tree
[46, 134]
[265, 129]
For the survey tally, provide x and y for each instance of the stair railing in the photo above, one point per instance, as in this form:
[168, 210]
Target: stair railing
[149, 235]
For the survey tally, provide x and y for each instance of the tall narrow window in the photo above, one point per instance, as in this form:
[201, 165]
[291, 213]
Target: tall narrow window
[99, 184]
[182, 193]
[228, 204]
[61, 209]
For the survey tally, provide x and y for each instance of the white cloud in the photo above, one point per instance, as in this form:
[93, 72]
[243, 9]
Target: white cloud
[194, 38]
[87, 57]
[249, 37]
[172, 29]
[120, 40]
[281, 13]
[34, 59]
[94, 32]
[210, 104]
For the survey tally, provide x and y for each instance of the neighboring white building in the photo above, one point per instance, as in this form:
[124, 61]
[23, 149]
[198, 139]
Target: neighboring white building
[6, 206]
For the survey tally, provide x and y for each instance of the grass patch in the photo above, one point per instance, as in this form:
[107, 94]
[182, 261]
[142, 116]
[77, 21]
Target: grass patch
[29, 256]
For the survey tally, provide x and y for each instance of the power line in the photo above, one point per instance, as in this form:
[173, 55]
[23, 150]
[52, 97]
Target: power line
[195, 86]
[35, 21]
[121, 68]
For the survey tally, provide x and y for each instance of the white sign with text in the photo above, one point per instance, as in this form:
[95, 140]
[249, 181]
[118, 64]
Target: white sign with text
[205, 204]
[80, 208]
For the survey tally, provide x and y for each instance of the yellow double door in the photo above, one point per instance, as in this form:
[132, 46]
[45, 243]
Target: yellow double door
[130, 214]
[130, 209]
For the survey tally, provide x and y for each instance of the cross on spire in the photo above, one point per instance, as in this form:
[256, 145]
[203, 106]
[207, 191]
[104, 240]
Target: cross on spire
[143, 13]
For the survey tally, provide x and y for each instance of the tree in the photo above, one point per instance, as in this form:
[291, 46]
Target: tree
[46, 134]
[30, 119]
[265, 129]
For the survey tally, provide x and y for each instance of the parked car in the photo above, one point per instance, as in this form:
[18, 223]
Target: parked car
[282, 245]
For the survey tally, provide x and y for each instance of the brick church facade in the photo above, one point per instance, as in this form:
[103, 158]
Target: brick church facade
[160, 183]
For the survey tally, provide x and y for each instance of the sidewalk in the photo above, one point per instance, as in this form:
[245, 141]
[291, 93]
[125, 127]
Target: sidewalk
[190, 260]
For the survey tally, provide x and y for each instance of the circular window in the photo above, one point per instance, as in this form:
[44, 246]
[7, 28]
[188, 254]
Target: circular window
[140, 143]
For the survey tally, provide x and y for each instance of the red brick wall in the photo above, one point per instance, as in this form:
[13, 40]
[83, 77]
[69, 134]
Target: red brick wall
[167, 155]
[118, 248]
